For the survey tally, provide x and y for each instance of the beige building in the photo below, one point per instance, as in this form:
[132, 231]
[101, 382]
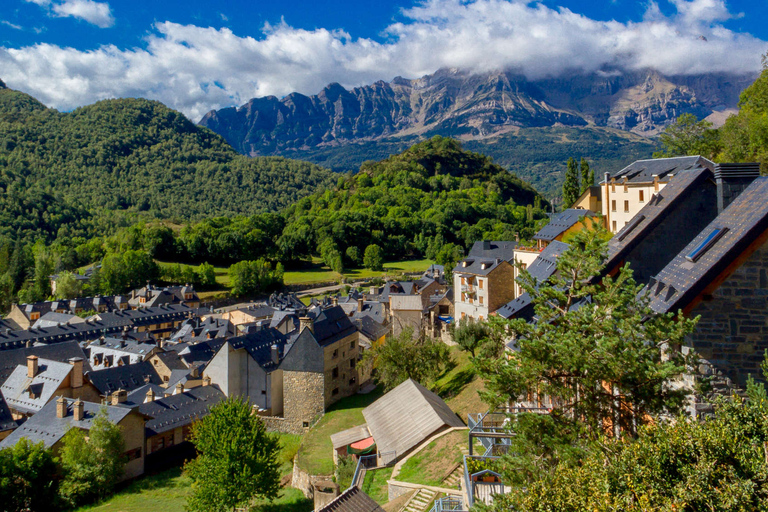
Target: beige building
[485, 280]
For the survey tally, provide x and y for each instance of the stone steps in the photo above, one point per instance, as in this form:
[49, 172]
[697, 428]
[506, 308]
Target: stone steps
[420, 501]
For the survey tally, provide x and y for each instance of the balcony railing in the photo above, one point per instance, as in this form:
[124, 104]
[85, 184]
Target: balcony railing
[483, 484]
[448, 504]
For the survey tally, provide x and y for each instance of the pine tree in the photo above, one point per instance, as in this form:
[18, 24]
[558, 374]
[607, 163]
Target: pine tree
[587, 175]
[571, 184]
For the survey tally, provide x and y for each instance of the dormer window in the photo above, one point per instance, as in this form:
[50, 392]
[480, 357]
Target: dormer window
[706, 244]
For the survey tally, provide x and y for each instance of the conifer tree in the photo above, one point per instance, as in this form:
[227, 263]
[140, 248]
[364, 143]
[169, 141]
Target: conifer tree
[571, 184]
[587, 175]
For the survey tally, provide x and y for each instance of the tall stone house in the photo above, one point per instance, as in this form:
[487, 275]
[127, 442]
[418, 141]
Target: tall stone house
[484, 280]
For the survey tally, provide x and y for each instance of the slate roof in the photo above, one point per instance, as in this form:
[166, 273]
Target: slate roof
[331, 325]
[541, 269]
[352, 500]
[478, 266]
[181, 409]
[138, 395]
[259, 346]
[128, 377]
[642, 171]
[745, 219]
[46, 427]
[30, 395]
[6, 420]
[406, 303]
[171, 359]
[201, 353]
[654, 212]
[52, 319]
[61, 352]
[279, 316]
[110, 350]
[406, 416]
[370, 328]
[493, 249]
[560, 223]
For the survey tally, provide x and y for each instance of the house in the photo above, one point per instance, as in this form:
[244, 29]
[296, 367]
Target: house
[563, 224]
[672, 217]
[407, 312]
[398, 422]
[126, 378]
[32, 385]
[152, 296]
[25, 315]
[436, 272]
[320, 366]
[284, 321]
[722, 276]
[543, 267]
[170, 418]
[626, 192]
[60, 352]
[195, 329]
[51, 423]
[108, 351]
[485, 280]
[199, 354]
[167, 364]
[249, 314]
[249, 365]
[52, 319]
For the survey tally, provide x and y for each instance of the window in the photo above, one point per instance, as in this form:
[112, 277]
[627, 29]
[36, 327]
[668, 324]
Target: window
[335, 372]
[481, 299]
[462, 280]
[352, 363]
[626, 206]
[480, 283]
[705, 244]
[133, 454]
[263, 391]
[480, 318]
[352, 381]
[614, 226]
[335, 392]
[305, 424]
[335, 354]
[613, 205]
[463, 297]
[351, 345]
[641, 193]
[613, 187]
[637, 219]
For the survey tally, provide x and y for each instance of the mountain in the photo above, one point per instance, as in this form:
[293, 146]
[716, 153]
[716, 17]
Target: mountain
[471, 106]
[104, 165]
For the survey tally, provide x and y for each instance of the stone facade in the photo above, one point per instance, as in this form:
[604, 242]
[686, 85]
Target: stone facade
[303, 397]
[732, 334]
[340, 367]
[478, 296]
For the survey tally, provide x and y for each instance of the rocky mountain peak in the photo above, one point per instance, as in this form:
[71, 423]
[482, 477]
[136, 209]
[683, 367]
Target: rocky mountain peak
[2, 85]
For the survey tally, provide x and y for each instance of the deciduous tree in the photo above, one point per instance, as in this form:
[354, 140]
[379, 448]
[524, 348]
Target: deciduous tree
[29, 478]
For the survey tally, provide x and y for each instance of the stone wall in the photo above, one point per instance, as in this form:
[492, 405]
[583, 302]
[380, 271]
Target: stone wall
[732, 334]
[305, 482]
[278, 424]
[303, 397]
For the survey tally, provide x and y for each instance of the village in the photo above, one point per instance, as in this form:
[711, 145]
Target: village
[156, 360]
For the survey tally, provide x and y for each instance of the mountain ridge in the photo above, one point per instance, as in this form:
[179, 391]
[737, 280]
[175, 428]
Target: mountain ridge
[470, 106]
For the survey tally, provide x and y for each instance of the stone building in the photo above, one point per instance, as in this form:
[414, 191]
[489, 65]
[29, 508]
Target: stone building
[722, 276]
[485, 280]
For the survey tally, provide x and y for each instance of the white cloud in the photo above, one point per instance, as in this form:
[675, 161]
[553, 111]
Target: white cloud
[96, 13]
[12, 25]
[195, 69]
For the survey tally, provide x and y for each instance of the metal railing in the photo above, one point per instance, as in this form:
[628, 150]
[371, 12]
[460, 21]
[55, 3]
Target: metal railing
[363, 464]
[471, 487]
[448, 503]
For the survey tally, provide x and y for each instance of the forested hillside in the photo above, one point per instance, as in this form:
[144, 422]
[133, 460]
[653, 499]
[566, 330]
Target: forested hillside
[104, 165]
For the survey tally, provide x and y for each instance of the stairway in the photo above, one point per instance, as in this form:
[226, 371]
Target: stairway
[420, 501]
[453, 480]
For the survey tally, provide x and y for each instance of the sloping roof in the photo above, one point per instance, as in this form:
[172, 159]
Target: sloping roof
[200, 353]
[61, 352]
[128, 377]
[352, 500]
[478, 266]
[349, 436]
[331, 325]
[259, 345]
[642, 171]
[52, 319]
[46, 427]
[654, 212]
[560, 223]
[370, 328]
[6, 420]
[406, 303]
[406, 416]
[171, 359]
[181, 409]
[745, 219]
[288, 316]
[541, 269]
[493, 249]
[31, 394]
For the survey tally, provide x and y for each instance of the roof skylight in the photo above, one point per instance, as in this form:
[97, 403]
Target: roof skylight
[706, 244]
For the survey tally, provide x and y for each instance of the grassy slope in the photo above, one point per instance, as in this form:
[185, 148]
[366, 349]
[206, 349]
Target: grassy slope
[435, 463]
[316, 451]
[459, 386]
[168, 491]
[375, 484]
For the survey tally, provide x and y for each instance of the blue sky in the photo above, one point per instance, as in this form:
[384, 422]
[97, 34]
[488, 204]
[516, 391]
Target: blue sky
[196, 55]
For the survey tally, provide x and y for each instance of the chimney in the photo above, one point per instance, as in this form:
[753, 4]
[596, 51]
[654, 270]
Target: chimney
[306, 322]
[77, 372]
[195, 373]
[160, 342]
[32, 366]
[61, 407]
[79, 410]
[119, 396]
[372, 291]
[206, 381]
[732, 180]
[28, 344]
[275, 354]
[360, 304]
[179, 388]
[150, 396]
[133, 294]
[335, 301]
[655, 182]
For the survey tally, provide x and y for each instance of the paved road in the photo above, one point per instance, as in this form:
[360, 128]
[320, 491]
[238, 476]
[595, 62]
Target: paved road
[326, 289]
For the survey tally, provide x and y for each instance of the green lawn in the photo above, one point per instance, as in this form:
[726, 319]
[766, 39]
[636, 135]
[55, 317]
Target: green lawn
[375, 484]
[222, 273]
[167, 491]
[434, 463]
[320, 273]
[459, 386]
[316, 451]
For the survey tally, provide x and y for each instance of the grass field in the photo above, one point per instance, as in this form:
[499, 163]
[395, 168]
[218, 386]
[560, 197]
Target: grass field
[316, 451]
[319, 273]
[434, 463]
[375, 484]
[168, 491]
[459, 386]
